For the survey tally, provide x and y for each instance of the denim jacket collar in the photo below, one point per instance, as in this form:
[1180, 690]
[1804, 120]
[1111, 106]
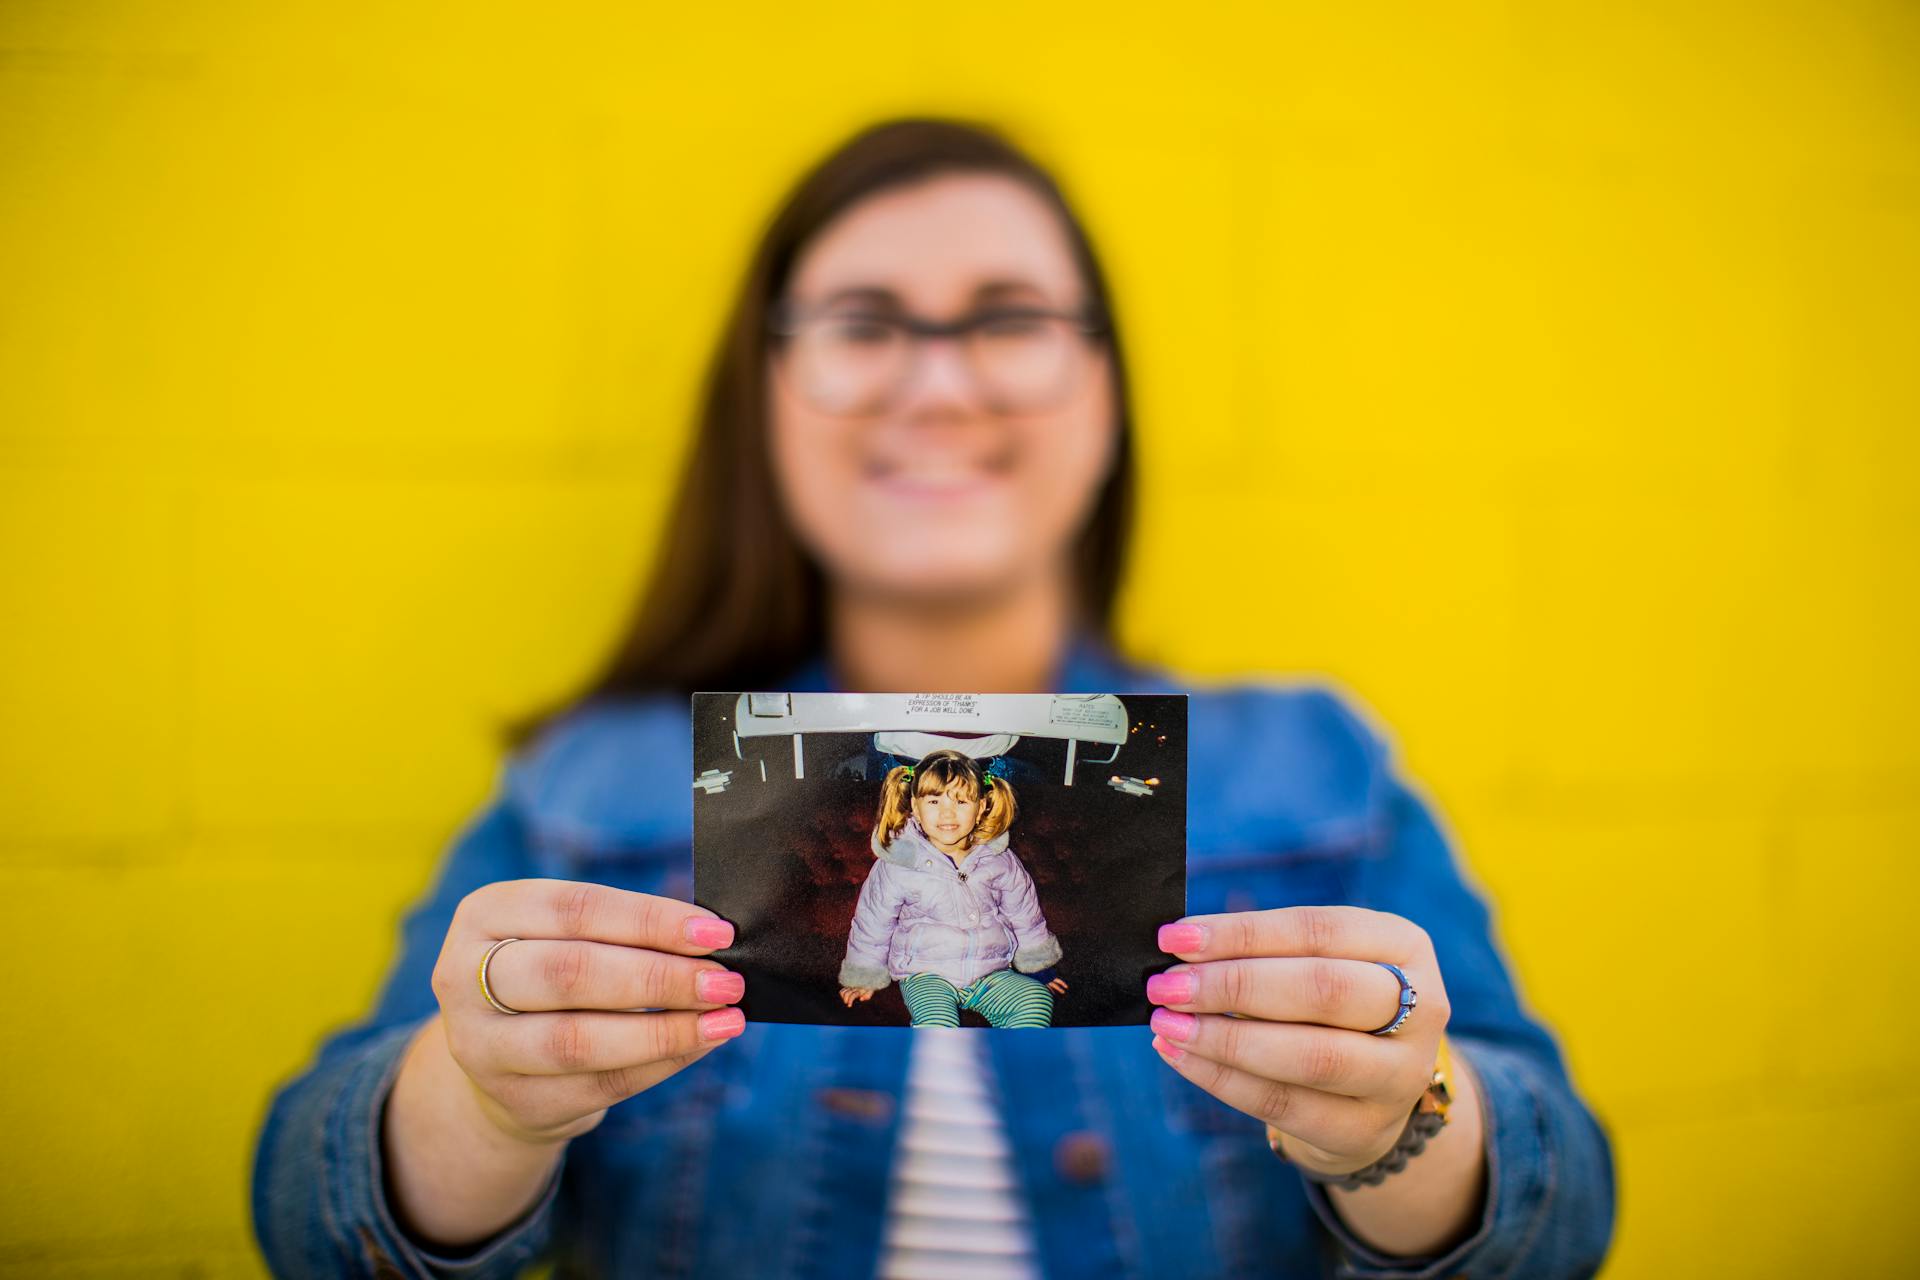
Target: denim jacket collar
[1087, 664]
[1289, 770]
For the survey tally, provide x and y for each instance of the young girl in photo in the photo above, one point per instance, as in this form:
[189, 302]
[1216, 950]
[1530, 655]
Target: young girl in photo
[947, 909]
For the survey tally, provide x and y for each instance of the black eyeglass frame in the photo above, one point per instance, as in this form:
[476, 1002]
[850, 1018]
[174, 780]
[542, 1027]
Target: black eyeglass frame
[785, 317]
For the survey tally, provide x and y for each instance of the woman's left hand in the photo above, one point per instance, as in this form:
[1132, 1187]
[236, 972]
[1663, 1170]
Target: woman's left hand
[1306, 987]
[1058, 986]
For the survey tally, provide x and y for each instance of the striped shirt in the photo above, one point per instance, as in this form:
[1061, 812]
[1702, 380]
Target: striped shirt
[954, 1211]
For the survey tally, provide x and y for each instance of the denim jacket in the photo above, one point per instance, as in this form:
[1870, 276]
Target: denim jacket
[919, 913]
[770, 1157]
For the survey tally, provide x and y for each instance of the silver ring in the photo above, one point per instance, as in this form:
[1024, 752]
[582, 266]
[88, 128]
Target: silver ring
[486, 991]
[1408, 998]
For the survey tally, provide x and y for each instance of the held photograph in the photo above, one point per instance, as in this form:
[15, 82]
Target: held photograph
[942, 860]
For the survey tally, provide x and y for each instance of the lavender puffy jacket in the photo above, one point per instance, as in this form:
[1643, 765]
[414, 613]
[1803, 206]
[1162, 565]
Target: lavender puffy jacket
[918, 913]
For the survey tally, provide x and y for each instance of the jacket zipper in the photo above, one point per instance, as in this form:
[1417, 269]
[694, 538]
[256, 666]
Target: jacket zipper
[966, 957]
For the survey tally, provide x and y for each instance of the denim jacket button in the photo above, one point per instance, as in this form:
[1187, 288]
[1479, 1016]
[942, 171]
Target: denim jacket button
[1082, 1156]
[380, 1263]
[869, 1105]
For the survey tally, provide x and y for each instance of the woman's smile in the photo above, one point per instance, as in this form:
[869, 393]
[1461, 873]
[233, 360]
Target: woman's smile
[923, 474]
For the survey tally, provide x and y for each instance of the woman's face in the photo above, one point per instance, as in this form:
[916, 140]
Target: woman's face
[948, 817]
[939, 495]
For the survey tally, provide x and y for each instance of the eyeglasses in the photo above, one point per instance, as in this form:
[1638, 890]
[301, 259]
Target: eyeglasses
[850, 361]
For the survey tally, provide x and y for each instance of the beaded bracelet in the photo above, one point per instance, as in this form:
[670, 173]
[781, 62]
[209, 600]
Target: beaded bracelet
[1429, 1116]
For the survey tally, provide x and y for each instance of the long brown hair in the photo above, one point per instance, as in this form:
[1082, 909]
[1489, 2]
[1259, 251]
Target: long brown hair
[734, 600]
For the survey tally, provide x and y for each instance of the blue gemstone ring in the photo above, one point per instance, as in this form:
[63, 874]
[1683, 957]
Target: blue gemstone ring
[1408, 998]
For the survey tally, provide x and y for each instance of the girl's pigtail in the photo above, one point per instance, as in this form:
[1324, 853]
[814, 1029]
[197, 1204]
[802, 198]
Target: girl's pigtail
[997, 807]
[895, 803]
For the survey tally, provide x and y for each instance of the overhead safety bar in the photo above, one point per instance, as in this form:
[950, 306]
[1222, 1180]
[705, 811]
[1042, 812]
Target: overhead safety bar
[955, 719]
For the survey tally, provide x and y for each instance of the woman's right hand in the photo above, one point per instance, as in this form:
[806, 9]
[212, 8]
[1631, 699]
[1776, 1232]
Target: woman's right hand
[849, 994]
[615, 994]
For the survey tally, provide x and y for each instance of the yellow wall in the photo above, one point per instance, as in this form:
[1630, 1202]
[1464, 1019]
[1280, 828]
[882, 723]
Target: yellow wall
[1544, 378]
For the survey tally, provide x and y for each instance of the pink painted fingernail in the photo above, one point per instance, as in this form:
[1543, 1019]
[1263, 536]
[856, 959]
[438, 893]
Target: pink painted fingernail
[1172, 1052]
[718, 986]
[722, 1024]
[1175, 986]
[1181, 939]
[706, 931]
[1174, 1026]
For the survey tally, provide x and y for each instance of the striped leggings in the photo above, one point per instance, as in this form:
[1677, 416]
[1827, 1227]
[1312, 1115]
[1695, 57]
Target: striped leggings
[1006, 998]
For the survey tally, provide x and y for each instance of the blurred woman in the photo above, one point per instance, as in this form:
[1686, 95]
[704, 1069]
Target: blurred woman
[914, 471]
